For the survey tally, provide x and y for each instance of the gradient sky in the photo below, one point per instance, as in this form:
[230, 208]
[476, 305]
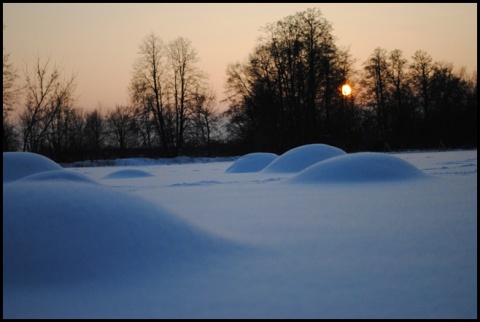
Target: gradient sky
[100, 42]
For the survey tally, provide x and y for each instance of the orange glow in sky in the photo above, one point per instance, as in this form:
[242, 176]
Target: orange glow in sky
[99, 41]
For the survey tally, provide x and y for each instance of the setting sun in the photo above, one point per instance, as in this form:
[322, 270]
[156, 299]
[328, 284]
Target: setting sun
[346, 90]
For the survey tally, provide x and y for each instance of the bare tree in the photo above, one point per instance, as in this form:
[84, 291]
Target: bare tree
[205, 119]
[95, 132]
[121, 127]
[144, 123]
[162, 89]
[238, 84]
[76, 122]
[376, 79]
[282, 96]
[186, 79]
[238, 90]
[421, 71]
[58, 137]
[397, 75]
[401, 95]
[148, 89]
[10, 94]
[10, 90]
[47, 92]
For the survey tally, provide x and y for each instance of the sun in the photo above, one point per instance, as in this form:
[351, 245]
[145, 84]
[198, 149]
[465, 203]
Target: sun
[346, 90]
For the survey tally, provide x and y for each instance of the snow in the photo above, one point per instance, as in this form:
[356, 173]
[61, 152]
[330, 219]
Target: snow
[252, 162]
[57, 175]
[20, 164]
[302, 157]
[363, 235]
[359, 167]
[127, 173]
[71, 232]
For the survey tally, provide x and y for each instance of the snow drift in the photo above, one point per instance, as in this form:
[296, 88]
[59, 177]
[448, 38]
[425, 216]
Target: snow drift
[17, 165]
[58, 175]
[151, 247]
[301, 157]
[128, 173]
[252, 162]
[59, 228]
[359, 167]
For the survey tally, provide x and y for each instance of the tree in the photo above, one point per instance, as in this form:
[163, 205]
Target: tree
[61, 134]
[46, 94]
[11, 141]
[122, 127]
[205, 119]
[164, 82]
[186, 79]
[402, 104]
[396, 74]
[10, 94]
[10, 90]
[148, 88]
[287, 88]
[237, 89]
[376, 80]
[449, 94]
[421, 70]
[95, 133]
[76, 122]
[144, 125]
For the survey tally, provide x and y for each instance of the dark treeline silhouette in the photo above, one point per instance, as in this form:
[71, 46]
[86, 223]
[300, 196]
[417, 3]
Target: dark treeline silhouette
[287, 93]
[172, 110]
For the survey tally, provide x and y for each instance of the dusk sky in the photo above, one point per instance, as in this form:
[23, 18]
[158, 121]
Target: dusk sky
[100, 42]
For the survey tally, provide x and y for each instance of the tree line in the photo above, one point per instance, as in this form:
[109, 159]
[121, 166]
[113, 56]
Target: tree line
[285, 94]
[172, 110]
[288, 93]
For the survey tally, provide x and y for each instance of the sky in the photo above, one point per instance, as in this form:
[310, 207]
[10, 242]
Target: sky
[99, 42]
[360, 235]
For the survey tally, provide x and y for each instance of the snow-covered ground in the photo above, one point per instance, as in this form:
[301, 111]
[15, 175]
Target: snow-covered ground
[365, 235]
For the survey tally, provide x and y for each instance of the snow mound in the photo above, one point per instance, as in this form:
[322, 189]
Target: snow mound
[301, 157]
[17, 165]
[359, 167]
[86, 232]
[252, 162]
[128, 173]
[56, 175]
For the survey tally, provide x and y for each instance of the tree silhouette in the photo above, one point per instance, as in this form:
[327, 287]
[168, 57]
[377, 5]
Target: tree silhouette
[47, 94]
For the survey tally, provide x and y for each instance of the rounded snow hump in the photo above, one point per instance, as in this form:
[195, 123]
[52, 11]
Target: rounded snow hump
[252, 162]
[301, 157]
[58, 229]
[359, 167]
[89, 231]
[58, 175]
[17, 165]
[128, 173]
